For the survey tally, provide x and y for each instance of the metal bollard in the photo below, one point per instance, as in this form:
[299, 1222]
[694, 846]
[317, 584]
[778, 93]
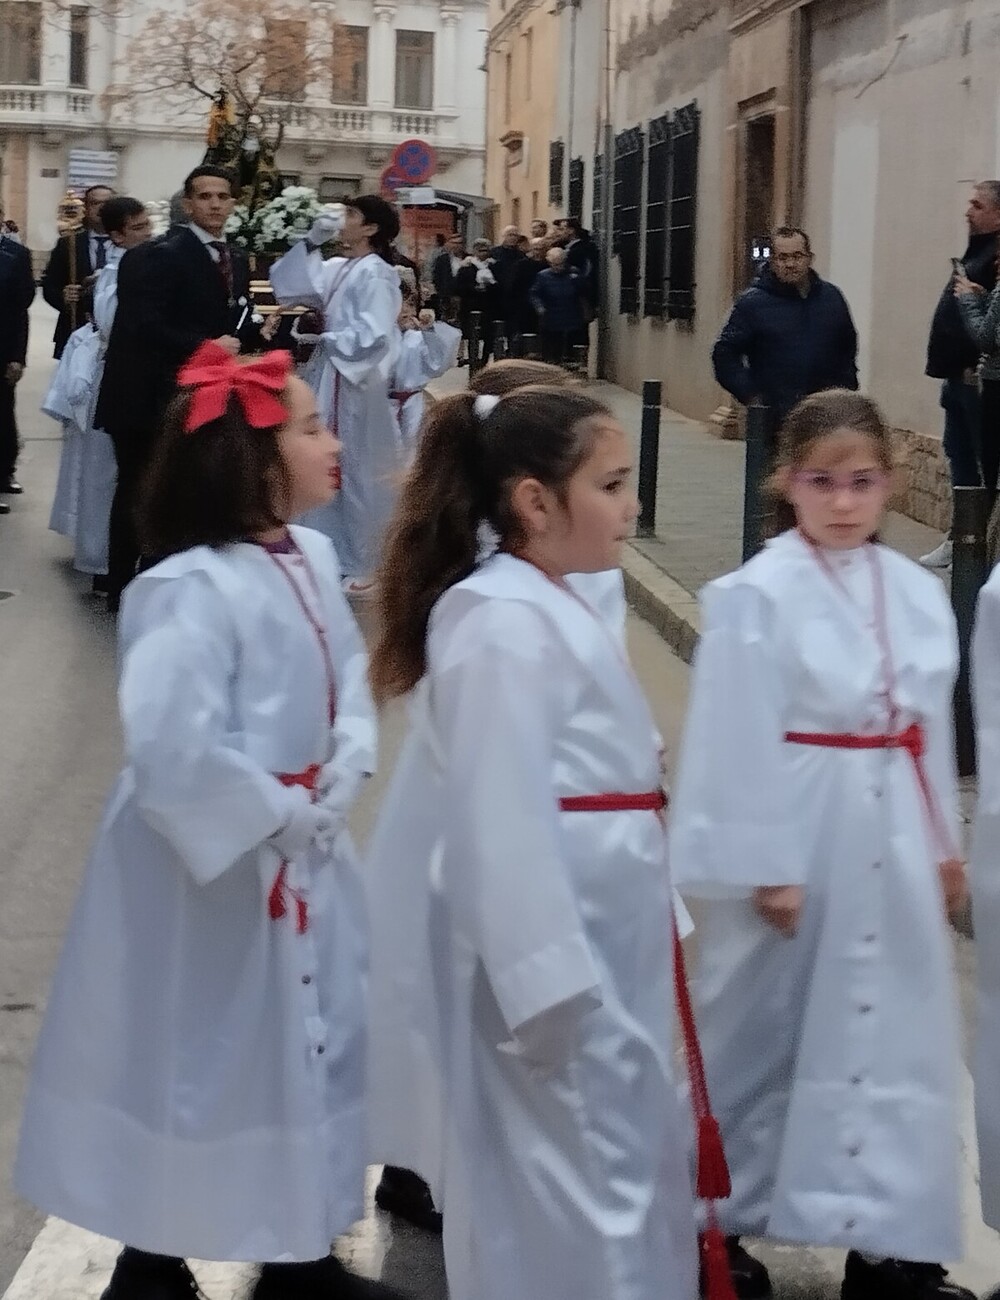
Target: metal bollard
[969, 571]
[529, 346]
[757, 456]
[649, 457]
[580, 357]
[499, 341]
[475, 326]
[516, 346]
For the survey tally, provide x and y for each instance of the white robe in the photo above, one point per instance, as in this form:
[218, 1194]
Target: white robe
[571, 1183]
[832, 1057]
[360, 301]
[98, 467]
[68, 402]
[423, 355]
[198, 1084]
[985, 882]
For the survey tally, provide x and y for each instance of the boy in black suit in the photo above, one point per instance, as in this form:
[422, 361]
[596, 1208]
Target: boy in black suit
[173, 294]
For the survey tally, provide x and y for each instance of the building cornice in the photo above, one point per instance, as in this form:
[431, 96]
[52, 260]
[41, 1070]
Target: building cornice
[511, 20]
[748, 14]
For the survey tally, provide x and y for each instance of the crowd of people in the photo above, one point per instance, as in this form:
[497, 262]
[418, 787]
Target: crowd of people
[244, 1016]
[542, 288]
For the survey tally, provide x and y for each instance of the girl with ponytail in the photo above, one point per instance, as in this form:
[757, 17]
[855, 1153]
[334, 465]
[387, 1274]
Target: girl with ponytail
[519, 891]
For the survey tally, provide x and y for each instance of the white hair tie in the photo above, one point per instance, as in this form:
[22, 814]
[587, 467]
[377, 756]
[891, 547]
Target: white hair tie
[483, 405]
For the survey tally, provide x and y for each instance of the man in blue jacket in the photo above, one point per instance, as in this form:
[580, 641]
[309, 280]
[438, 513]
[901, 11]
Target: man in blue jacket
[790, 334]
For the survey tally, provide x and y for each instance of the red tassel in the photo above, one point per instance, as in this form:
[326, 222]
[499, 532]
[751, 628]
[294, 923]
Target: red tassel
[276, 898]
[302, 914]
[717, 1281]
[714, 1183]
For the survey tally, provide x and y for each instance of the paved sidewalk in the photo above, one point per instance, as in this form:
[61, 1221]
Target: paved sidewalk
[699, 516]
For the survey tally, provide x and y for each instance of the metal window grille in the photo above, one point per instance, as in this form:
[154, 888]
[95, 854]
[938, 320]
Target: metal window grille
[683, 212]
[575, 196]
[350, 66]
[654, 301]
[557, 160]
[414, 70]
[20, 44]
[629, 151]
[597, 200]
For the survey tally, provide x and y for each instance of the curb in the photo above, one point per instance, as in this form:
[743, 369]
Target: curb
[670, 609]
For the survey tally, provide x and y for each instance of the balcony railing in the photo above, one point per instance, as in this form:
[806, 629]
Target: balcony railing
[44, 105]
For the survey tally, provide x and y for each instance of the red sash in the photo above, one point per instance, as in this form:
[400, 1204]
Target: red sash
[277, 906]
[713, 1182]
[913, 741]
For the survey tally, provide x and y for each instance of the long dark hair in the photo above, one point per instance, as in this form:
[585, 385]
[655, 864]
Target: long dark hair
[214, 486]
[377, 212]
[463, 475]
[817, 417]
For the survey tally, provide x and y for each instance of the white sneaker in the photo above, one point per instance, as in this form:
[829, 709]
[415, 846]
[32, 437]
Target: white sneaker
[939, 558]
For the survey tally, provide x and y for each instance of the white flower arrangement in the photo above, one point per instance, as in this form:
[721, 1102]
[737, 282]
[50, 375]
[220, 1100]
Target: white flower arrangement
[276, 226]
[159, 215]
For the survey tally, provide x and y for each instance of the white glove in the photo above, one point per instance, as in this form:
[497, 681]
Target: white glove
[309, 824]
[338, 789]
[327, 226]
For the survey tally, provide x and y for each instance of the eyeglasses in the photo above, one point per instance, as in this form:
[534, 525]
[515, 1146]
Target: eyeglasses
[790, 257]
[824, 484]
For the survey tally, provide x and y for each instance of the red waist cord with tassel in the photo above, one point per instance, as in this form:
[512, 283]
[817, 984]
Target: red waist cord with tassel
[713, 1182]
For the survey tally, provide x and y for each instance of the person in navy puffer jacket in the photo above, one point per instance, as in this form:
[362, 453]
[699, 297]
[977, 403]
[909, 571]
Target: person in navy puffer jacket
[789, 335]
[557, 296]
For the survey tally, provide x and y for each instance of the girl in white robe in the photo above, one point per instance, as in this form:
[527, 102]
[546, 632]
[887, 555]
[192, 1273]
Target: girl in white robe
[198, 1085]
[426, 349]
[562, 1154]
[359, 297]
[816, 806]
[399, 1046]
[985, 879]
[68, 401]
[98, 466]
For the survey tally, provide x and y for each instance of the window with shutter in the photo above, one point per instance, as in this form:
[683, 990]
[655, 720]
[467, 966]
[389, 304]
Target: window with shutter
[574, 206]
[597, 200]
[683, 211]
[654, 301]
[557, 159]
[629, 148]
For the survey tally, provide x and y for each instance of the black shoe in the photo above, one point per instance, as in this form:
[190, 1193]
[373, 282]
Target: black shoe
[751, 1280]
[408, 1197]
[324, 1279]
[12, 488]
[139, 1276]
[4, 508]
[896, 1279]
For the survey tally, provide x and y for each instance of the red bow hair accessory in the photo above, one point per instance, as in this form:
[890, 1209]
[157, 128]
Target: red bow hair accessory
[214, 376]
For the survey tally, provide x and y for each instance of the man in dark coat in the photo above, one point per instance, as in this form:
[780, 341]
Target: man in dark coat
[952, 356]
[63, 284]
[173, 294]
[17, 290]
[522, 282]
[789, 335]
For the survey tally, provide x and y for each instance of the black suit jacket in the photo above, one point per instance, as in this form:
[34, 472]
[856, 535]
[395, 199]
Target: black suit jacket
[17, 290]
[56, 277]
[171, 298]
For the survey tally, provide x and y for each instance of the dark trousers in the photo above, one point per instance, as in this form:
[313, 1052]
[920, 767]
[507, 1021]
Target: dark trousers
[132, 455]
[962, 432]
[990, 410]
[9, 445]
[557, 346]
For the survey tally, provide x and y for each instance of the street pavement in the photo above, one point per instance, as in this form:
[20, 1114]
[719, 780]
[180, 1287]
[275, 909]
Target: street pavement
[59, 753]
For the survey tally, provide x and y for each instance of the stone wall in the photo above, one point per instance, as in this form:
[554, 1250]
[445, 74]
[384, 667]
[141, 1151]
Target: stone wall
[925, 493]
